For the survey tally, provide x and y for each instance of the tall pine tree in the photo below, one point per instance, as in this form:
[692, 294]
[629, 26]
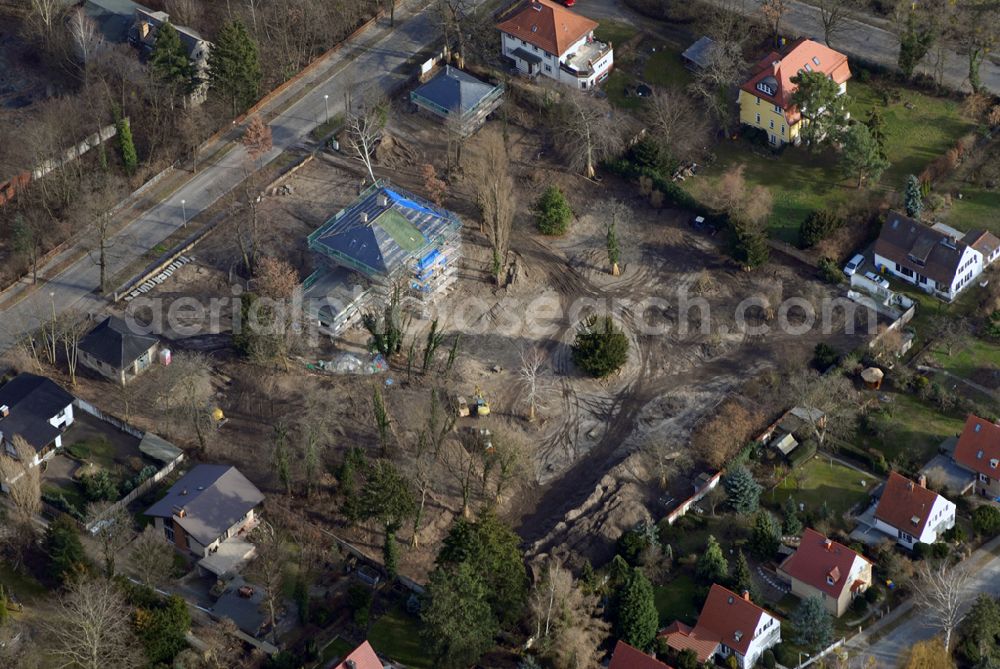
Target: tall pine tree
[742, 489]
[913, 198]
[636, 619]
[712, 566]
[169, 59]
[743, 578]
[234, 66]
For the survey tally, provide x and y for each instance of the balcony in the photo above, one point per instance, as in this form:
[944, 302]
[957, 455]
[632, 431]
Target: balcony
[581, 63]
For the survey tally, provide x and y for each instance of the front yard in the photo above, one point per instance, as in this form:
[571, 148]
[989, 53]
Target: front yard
[822, 481]
[919, 127]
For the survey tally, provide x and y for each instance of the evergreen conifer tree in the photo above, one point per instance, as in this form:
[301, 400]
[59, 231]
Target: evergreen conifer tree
[234, 66]
[913, 198]
[169, 59]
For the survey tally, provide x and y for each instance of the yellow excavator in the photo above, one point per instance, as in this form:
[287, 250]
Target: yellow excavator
[480, 407]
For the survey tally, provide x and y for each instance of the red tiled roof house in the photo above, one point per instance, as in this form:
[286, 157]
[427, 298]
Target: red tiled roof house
[826, 569]
[766, 97]
[627, 657]
[543, 37]
[728, 625]
[909, 512]
[362, 657]
[978, 450]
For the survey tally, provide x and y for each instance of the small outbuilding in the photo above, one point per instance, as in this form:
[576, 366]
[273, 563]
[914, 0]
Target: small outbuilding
[114, 350]
[456, 97]
[872, 376]
[696, 56]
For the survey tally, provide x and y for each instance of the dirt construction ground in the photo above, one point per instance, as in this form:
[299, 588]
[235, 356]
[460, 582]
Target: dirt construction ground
[588, 481]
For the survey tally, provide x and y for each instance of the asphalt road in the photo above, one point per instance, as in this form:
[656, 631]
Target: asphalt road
[371, 62]
[918, 626]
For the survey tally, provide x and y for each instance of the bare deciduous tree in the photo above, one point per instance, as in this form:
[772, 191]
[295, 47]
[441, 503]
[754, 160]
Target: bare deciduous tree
[510, 463]
[24, 490]
[112, 530]
[677, 124]
[566, 628]
[495, 197]
[587, 130]
[831, 403]
[724, 433]
[87, 630]
[773, 11]
[87, 39]
[715, 82]
[256, 138]
[464, 465]
[152, 557]
[532, 364]
[834, 15]
[364, 131]
[184, 12]
[940, 592]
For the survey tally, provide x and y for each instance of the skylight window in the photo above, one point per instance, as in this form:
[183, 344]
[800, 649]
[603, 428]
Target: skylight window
[816, 61]
[979, 454]
[808, 67]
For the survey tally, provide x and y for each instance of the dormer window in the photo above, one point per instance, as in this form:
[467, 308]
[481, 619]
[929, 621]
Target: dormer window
[979, 454]
[915, 520]
[829, 580]
[994, 462]
[816, 61]
[738, 635]
[808, 68]
[764, 88]
[978, 427]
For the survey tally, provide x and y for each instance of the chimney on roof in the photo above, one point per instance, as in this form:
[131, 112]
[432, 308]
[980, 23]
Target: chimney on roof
[922, 481]
[746, 595]
[364, 217]
[4, 411]
[383, 200]
[828, 544]
[909, 486]
[184, 491]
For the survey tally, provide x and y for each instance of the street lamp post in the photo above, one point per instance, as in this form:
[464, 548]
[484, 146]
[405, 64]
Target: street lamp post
[326, 103]
[184, 214]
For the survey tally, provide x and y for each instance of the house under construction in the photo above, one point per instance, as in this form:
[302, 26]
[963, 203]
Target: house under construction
[388, 236]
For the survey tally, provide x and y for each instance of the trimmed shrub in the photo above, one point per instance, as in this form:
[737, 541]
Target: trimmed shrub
[818, 226]
[552, 212]
[601, 348]
[986, 521]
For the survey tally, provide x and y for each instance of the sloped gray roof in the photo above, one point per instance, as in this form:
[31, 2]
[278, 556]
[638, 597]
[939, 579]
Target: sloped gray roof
[213, 498]
[113, 342]
[382, 231]
[32, 402]
[920, 248]
[114, 18]
[454, 90]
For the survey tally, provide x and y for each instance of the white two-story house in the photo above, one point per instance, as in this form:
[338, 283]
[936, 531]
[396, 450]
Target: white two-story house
[729, 625]
[543, 37]
[909, 512]
[934, 259]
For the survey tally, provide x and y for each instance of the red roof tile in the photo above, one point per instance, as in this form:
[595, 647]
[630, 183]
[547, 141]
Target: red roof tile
[363, 656]
[804, 54]
[548, 25]
[979, 447]
[627, 657]
[725, 618]
[905, 505]
[817, 558]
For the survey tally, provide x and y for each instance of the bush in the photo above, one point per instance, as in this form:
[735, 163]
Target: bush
[802, 454]
[646, 153]
[859, 606]
[830, 271]
[552, 212]
[824, 357]
[986, 521]
[600, 348]
[768, 659]
[99, 487]
[818, 226]
[955, 535]
[359, 601]
[79, 450]
[871, 594]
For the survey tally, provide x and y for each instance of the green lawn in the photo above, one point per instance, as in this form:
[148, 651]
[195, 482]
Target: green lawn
[615, 86]
[98, 451]
[819, 481]
[72, 492]
[24, 587]
[801, 181]
[665, 68]
[915, 430]
[677, 600]
[396, 636]
[977, 209]
[615, 32]
[336, 649]
[977, 355]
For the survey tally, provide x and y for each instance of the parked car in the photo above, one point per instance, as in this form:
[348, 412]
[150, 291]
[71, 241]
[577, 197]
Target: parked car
[881, 281]
[852, 266]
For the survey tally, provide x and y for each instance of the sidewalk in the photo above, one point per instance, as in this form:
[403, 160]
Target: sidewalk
[374, 60]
